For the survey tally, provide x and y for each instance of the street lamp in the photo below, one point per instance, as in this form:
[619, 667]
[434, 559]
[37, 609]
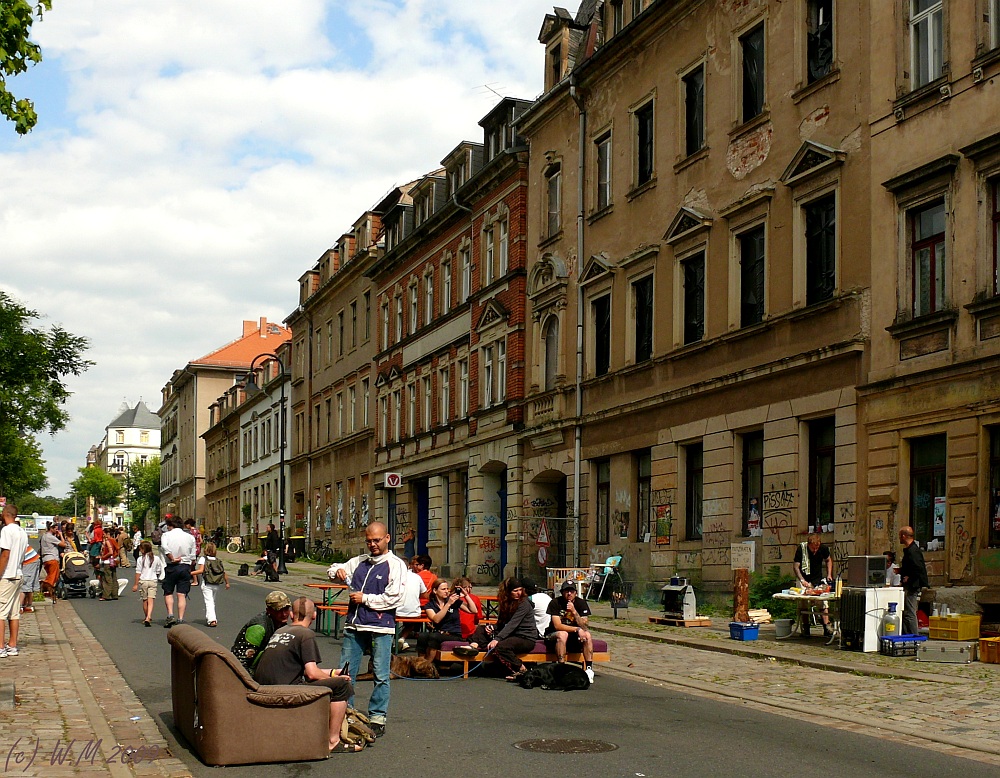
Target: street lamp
[251, 388]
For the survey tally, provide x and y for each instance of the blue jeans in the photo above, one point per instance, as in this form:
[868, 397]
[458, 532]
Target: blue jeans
[354, 645]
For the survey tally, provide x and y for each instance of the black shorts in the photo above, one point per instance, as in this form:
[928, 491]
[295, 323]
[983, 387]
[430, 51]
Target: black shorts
[177, 577]
[573, 643]
[341, 690]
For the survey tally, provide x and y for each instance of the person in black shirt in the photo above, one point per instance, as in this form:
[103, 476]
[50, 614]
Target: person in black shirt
[813, 565]
[913, 573]
[568, 628]
[255, 633]
[292, 657]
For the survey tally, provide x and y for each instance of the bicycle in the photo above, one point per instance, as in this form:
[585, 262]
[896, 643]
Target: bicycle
[235, 544]
[322, 550]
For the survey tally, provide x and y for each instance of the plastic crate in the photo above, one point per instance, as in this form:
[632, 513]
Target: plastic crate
[900, 645]
[989, 650]
[955, 627]
[739, 630]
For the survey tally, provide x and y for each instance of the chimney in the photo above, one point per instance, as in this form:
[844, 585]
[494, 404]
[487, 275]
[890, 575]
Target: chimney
[263, 327]
[248, 327]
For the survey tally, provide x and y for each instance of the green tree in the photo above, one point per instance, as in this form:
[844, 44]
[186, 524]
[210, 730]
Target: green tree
[143, 487]
[99, 484]
[17, 53]
[33, 364]
[43, 506]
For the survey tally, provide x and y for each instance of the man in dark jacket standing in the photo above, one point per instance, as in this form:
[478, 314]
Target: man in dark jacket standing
[376, 584]
[914, 575]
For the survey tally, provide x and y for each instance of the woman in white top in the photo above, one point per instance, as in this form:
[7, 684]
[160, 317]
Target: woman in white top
[213, 576]
[148, 572]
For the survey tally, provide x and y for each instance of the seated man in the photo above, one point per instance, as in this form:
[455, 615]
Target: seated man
[813, 565]
[568, 629]
[292, 656]
[256, 632]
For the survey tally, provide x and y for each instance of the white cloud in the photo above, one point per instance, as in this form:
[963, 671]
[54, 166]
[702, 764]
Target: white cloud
[207, 153]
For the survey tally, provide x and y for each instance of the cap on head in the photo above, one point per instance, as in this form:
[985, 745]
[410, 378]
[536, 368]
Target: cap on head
[567, 586]
[277, 600]
[529, 585]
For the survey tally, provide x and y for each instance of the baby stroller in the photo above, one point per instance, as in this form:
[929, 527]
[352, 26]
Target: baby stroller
[73, 577]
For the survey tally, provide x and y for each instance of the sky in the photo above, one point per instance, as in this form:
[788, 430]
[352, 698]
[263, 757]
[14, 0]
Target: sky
[193, 159]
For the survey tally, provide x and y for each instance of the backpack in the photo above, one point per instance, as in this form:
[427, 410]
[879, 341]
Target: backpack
[215, 572]
[155, 535]
[244, 569]
[356, 729]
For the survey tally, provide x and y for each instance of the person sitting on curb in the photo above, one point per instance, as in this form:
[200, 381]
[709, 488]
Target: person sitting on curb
[291, 656]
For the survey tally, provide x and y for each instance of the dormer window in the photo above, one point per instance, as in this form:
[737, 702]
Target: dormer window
[555, 65]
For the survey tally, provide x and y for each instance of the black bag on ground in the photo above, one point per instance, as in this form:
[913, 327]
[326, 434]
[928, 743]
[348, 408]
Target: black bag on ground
[244, 569]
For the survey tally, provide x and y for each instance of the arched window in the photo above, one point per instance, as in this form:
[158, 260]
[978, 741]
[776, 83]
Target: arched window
[551, 337]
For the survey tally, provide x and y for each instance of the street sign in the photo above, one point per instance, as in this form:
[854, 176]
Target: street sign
[393, 480]
[543, 556]
[127, 516]
[543, 535]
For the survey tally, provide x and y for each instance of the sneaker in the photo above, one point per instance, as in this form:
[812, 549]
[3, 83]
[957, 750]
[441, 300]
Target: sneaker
[590, 673]
[402, 645]
[3, 652]
[11, 650]
[377, 728]
[468, 651]
[169, 622]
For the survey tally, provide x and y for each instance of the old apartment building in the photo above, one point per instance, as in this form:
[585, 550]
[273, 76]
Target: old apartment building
[731, 278]
[722, 303]
[332, 390]
[185, 413]
[930, 407]
[450, 294]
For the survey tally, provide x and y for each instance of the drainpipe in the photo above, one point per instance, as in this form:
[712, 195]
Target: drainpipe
[578, 428]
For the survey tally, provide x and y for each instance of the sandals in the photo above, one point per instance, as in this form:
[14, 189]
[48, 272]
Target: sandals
[213, 624]
[345, 748]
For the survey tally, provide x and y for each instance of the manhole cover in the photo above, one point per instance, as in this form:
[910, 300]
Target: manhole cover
[566, 746]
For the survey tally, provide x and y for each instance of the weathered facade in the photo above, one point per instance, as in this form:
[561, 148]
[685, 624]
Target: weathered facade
[703, 265]
[450, 292]
[930, 408]
[332, 390]
[185, 413]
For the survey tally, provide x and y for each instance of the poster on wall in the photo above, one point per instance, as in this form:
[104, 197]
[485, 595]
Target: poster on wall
[939, 507]
[753, 518]
[663, 522]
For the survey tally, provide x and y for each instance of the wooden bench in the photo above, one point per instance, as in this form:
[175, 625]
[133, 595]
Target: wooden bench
[542, 652]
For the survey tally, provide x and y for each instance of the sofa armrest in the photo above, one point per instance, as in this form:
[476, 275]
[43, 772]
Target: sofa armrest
[287, 696]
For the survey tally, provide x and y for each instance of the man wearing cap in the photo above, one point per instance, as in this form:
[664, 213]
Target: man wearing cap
[568, 630]
[376, 581]
[255, 633]
[291, 656]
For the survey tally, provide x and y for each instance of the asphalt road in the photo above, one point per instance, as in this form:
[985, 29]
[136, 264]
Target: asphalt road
[471, 727]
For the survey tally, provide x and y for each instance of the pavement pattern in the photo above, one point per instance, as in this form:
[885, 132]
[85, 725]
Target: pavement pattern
[65, 709]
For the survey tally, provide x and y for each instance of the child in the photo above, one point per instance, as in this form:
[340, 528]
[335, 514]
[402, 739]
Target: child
[213, 576]
[148, 572]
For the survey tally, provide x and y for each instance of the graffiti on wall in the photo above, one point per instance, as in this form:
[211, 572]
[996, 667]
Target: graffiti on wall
[661, 500]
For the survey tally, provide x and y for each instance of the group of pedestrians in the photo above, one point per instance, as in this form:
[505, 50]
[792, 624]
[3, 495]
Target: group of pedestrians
[182, 561]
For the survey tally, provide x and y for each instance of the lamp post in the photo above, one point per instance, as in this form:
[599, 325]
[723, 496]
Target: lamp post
[251, 389]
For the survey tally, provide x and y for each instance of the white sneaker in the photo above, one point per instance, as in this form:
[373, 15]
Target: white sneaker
[3, 652]
[11, 650]
[590, 673]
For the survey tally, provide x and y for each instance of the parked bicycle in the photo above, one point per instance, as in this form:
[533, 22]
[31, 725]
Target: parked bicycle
[322, 550]
[235, 544]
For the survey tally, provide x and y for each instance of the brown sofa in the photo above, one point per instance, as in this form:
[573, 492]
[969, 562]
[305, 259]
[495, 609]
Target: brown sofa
[229, 718]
